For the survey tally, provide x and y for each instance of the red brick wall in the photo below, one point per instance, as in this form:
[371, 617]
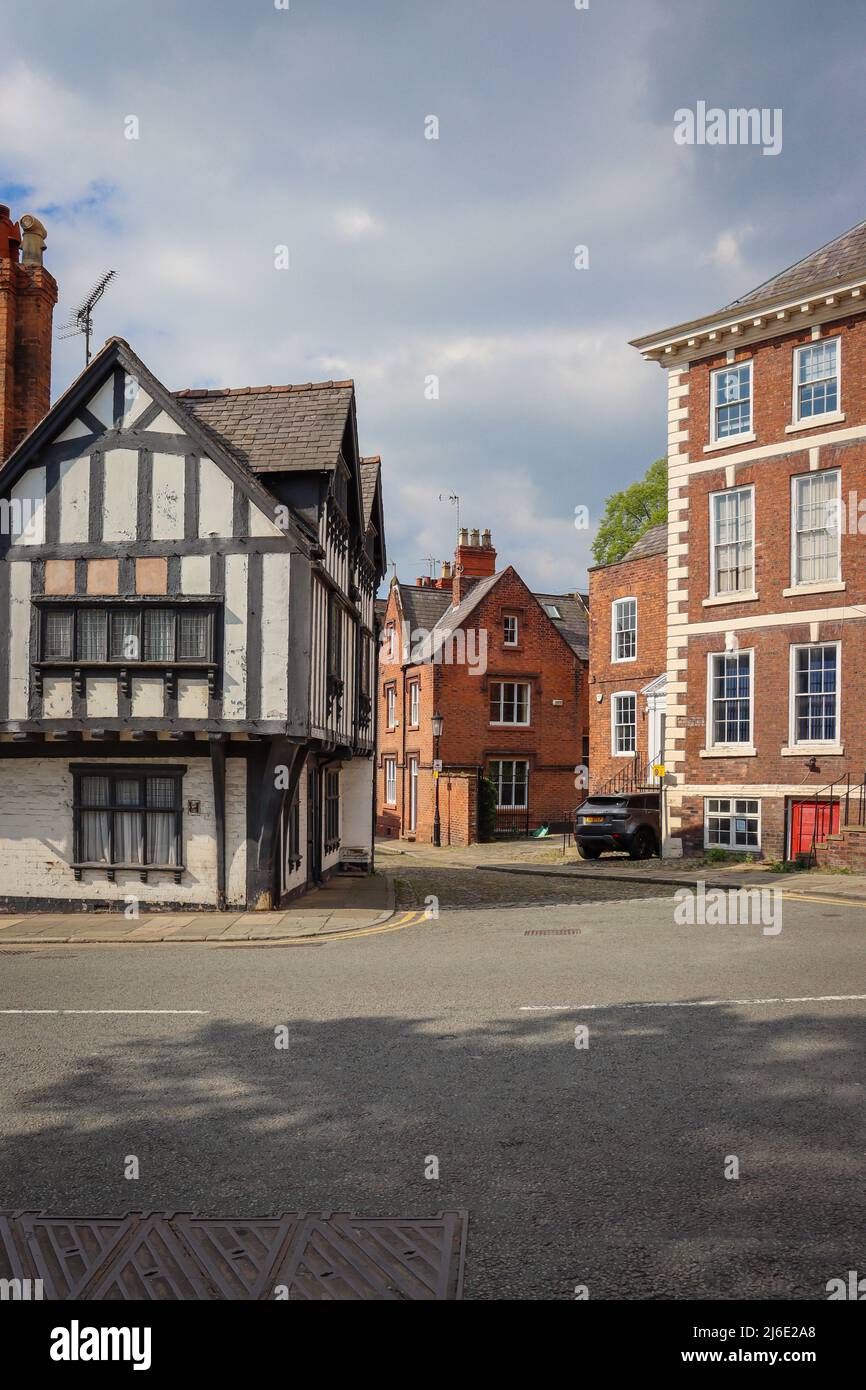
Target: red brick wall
[551, 743]
[646, 580]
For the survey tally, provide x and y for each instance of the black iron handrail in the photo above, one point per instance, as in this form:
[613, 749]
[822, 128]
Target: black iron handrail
[634, 777]
[858, 790]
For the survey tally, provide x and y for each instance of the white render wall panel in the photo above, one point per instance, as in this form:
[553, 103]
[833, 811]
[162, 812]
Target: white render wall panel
[135, 400]
[192, 698]
[195, 574]
[275, 636]
[236, 831]
[168, 494]
[120, 505]
[57, 697]
[19, 638]
[148, 698]
[102, 404]
[101, 697]
[235, 647]
[216, 500]
[74, 485]
[36, 838]
[27, 518]
[262, 525]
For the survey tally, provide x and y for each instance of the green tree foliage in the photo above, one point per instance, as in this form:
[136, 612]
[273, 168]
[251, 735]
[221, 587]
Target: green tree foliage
[487, 798]
[629, 513]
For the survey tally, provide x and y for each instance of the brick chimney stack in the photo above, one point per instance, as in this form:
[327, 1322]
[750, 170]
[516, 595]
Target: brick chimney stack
[474, 559]
[28, 293]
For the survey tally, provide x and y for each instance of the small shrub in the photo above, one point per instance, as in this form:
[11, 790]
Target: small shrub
[487, 799]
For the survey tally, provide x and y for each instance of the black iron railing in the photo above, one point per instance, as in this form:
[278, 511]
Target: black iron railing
[842, 793]
[634, 776]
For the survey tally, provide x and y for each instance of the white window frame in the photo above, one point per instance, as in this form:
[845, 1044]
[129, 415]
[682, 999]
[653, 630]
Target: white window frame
[732, 814]
[733, 594]
[414, 704]
[513, 723]
[813, 743]
[390, 766]
[498, 783]
[506, 640]
[619, 752]
[620, 660]
[827, 415]
[391, 706]
[710, 721]
[749, 431]
[831, 581]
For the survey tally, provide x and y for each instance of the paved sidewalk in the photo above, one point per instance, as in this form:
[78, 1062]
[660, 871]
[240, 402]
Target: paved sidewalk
[342, 904]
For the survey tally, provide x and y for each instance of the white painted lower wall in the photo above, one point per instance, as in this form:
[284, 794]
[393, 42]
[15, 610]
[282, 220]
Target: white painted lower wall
[36, 838]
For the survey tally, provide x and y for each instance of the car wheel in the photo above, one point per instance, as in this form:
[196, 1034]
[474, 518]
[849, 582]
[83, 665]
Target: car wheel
[588, 851]
[643, 846]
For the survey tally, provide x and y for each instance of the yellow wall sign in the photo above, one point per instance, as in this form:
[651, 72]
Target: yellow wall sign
[658, 769]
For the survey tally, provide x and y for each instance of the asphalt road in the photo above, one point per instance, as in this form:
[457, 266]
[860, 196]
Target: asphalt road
[455, 1038]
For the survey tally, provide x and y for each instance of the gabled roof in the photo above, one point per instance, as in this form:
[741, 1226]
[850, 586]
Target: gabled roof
[370, 471]
[573, 622]
[422, 608]
[276, 428]
[117, 354]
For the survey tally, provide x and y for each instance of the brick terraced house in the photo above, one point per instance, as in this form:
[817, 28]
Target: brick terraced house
[627, 655]
[187, 649]
[507, 670]
[766, 633]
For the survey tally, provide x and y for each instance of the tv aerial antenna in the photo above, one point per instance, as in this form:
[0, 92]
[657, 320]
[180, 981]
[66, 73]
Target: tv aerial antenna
[454, 499]
[81, 319]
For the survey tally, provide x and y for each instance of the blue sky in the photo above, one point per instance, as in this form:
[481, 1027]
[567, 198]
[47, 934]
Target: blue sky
[410, 257]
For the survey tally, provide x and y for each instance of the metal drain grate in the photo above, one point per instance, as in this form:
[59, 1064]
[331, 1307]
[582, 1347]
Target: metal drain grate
[554, 931]
[177, 1256]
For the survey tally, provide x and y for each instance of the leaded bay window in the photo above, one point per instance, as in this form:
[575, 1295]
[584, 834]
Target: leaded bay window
[816, 371]
[128, 818]
[105, 633]
[816, 501]
[731, 698]
[733, 542]
[731, 401]
[816, 693]
[731, 823]
[509, 702]
[624, 717]
[510, 776]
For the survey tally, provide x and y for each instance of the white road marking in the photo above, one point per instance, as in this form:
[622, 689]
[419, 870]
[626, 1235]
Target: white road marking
[105, 1011]
[694, 1003]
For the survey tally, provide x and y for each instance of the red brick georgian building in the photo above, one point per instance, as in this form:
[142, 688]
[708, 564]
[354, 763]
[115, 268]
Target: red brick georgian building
[507, 670]
[627, 655]
[766, 634]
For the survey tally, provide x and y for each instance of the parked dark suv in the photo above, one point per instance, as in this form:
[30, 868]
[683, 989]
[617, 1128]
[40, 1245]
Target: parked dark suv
[625, 821]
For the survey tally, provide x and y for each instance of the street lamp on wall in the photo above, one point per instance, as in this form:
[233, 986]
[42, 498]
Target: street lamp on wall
[436, 722]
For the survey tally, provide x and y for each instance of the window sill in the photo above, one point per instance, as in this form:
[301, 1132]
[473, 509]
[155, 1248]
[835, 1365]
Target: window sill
[493, 725]
[730, 443]
[827, 586]
[746, 596]
[740, 751]
[801, 750]
[110, 870]
[833, 417]
[630, 756]
[622, 660]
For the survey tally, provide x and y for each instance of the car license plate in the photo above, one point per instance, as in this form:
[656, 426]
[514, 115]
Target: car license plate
[593, 820]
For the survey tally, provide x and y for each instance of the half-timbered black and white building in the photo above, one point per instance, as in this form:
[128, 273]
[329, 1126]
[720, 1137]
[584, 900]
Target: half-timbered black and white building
[187, 661]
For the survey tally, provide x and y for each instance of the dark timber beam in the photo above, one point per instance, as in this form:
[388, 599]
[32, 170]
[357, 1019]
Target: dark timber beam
[218, 771]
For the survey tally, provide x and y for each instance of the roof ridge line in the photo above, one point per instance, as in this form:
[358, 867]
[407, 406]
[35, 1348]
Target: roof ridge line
[199, 392]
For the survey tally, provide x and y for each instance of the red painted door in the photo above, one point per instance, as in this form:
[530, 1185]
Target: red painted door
[810, 818]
